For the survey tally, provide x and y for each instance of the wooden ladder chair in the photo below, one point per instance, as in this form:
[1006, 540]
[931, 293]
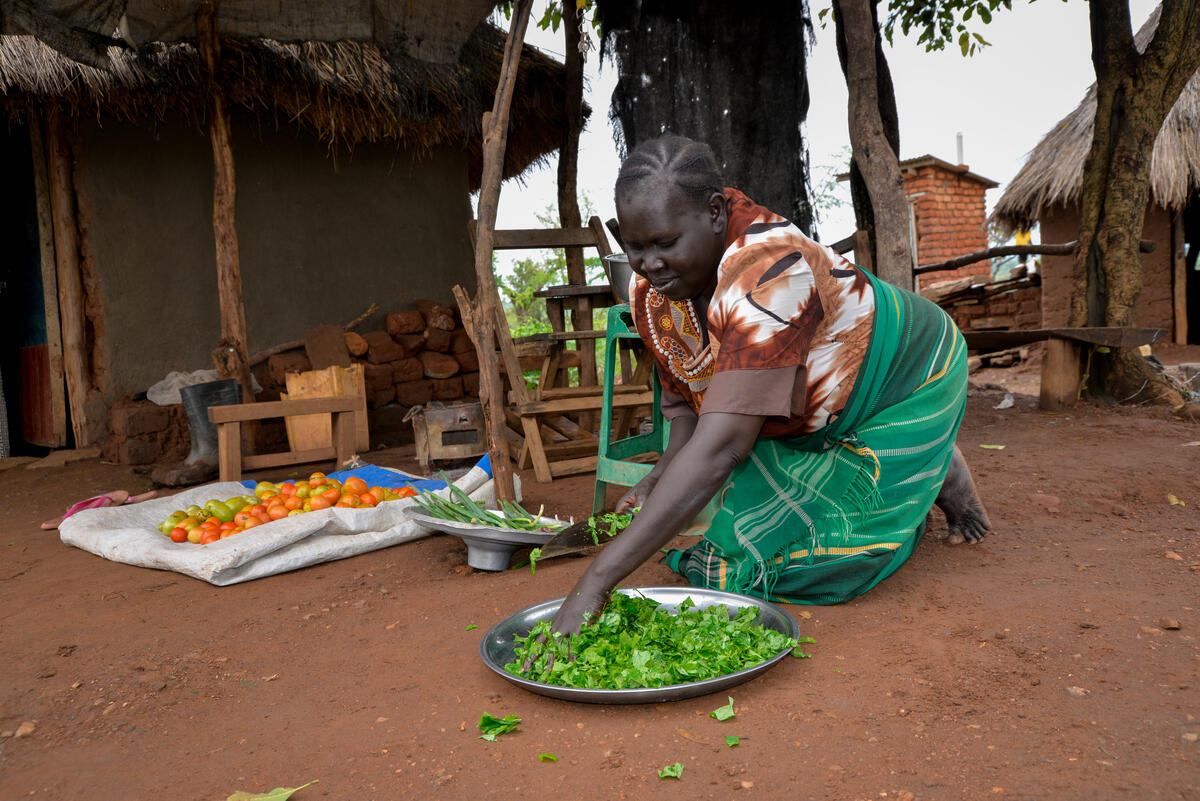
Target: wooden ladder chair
[549, 440]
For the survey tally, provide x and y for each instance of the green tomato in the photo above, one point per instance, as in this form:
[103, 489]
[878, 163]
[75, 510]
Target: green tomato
[236, 503]
[171, 522]
[195, 511]
[264, 487]
[303, 491]
[220, 510]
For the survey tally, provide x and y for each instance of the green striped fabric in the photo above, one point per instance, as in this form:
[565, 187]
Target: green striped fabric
[824, 518]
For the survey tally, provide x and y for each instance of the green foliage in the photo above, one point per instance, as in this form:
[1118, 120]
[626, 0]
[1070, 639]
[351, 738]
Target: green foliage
[671, 771]
[278, 794]
[942, 22]
[724, 712]
[636, 643]
[492, 727]
[937, 24]
[552, 14]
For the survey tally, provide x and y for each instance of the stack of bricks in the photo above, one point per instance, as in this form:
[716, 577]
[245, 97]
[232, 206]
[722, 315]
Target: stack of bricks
[422, 355]
[950, 211]
[142, 432]
[1010, 310]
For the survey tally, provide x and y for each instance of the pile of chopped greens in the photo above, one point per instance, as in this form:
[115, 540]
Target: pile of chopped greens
[635, 643]
[610, 523]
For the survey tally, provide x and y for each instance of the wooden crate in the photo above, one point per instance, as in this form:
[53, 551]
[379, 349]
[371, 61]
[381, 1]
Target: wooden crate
[309, 431]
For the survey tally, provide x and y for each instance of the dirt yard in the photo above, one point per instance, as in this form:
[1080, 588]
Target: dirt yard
[1058, 659]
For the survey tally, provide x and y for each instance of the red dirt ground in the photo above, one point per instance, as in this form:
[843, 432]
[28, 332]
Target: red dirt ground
[1058, 659]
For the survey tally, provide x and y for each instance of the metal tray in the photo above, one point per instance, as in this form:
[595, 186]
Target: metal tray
[488, 547]
[499, 643]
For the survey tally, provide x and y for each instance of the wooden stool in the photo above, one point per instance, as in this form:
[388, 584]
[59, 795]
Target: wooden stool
[229, 421]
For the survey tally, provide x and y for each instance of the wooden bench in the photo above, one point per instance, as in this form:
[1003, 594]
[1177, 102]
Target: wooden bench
[1062, 368]
[228, 419]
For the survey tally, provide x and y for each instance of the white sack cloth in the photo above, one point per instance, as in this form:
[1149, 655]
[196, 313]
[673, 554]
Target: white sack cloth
[130, 534]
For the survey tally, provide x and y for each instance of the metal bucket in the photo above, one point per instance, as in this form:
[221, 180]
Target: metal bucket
[619, 272]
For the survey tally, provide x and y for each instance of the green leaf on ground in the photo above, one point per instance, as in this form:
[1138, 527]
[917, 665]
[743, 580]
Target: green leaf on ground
[278, 794]
[732, 739]
[724, 712]
[993, 447]
[491, 726]
[1174, 501]
[671, 771]
[547, 758]
[472, 626]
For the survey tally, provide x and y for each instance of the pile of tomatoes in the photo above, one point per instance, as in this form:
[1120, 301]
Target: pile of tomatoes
[216, 519]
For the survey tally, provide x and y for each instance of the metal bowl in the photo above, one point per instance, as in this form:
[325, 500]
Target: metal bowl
[488, 547]
[619, 271]
[499, 644]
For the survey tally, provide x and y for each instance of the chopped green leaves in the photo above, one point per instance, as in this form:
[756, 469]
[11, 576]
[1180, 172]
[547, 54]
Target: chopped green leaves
[797, 652]
[492, 727]
[472, 626]
[732, 739]
[635, 643]
[671, 771]
[547, 758]
[724, 712]
[610, 523]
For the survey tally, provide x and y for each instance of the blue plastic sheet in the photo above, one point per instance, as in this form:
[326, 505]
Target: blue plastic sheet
[376, 476]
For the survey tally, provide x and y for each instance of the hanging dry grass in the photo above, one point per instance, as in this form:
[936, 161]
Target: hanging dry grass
[343, 93]
[1053, 173]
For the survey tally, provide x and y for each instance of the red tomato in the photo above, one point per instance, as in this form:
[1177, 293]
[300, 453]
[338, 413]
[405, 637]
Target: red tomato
[406, 492]
[293, 503]
[277, 511]
[287, 488]
[258, 509]
[251, 522]
[377, 494]
[316, 479]
[367, 499]
[355, 485]
[178, 534]
[210, 537]
[230, 526]
[241, 517]
[319, 502]
[332, 494]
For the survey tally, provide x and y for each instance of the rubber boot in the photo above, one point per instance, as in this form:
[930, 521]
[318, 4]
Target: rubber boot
[196, 400]
[201, 463]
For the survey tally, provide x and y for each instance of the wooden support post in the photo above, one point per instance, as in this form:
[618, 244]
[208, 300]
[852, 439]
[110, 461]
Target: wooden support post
[1061, 374]
[70, 279]
[487, 301]
[1179, 273]
[45, 223]
[230, 355]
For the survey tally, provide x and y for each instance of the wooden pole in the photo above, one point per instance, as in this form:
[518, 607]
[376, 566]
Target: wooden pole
[45, 222]
[1064, 249]
[230, 354]
[487, 298]
[1179, 274]
[70, 280]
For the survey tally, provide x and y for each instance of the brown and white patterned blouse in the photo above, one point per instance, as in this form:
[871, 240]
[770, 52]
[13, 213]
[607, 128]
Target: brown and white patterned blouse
[788, 328]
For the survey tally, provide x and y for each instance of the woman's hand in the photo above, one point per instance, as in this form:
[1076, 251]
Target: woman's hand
[637, 494]
[586, 598]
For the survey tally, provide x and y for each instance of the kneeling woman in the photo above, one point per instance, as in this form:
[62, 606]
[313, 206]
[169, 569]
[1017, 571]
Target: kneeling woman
[813, 407]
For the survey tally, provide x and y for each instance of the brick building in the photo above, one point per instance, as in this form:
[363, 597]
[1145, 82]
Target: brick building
[949, 215]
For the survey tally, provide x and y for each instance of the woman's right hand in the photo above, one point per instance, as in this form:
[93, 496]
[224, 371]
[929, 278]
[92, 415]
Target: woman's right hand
[637, 494]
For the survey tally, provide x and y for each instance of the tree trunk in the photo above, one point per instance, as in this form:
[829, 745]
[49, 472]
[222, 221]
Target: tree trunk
[1134, 93]
[712, 71]
[873, 153]
[864, 216]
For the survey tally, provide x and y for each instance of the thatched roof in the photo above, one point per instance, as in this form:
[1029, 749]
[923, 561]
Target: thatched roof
[1053, 172]
[343, 93]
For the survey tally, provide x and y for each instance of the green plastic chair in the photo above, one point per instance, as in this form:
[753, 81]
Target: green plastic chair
[613, 463]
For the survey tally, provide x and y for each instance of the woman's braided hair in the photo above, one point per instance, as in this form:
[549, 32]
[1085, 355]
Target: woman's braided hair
[688, 164]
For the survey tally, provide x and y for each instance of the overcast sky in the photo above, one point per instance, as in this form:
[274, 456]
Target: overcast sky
[1002, 100]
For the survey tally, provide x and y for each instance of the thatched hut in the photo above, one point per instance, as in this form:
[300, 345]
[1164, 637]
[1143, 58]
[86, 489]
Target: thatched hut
[1048, 189]
[354, 174]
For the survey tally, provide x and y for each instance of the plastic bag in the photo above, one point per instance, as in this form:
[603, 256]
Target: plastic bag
[166, 391]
